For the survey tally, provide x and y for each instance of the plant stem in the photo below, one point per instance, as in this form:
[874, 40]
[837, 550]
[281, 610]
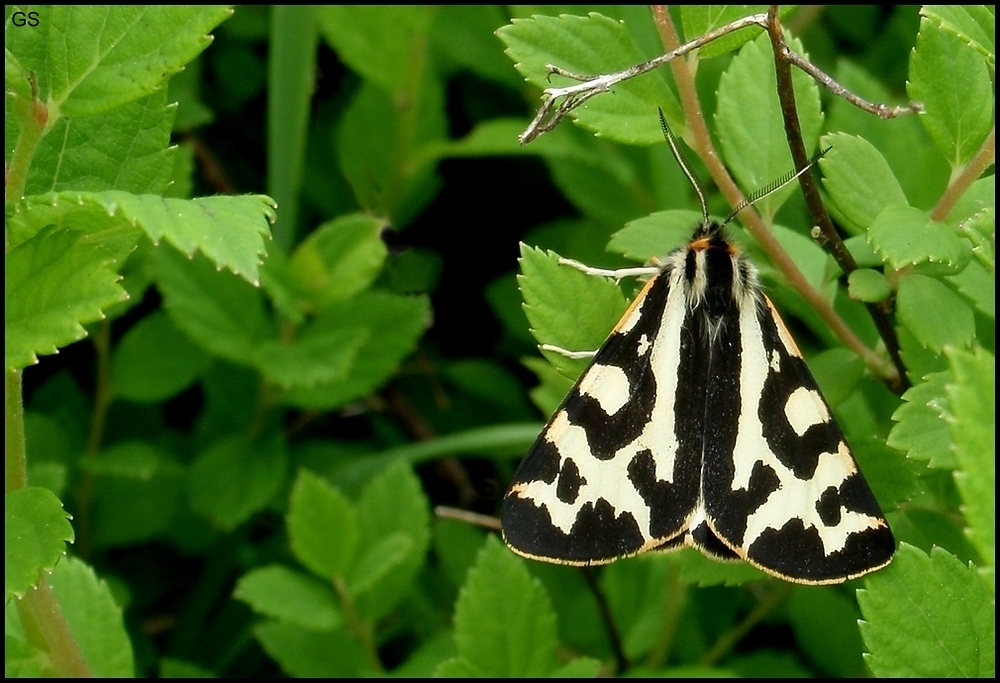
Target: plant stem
[15, 460]
[621, 662]
[730, 638]
[820, 216]
[956, 188]
[673, 605]
[358, 626]
[48, 631]
[703, 146]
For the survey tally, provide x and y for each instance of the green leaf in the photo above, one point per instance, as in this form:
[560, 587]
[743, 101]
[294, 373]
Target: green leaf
[581, 667]
[934, 313]
[127, 149]
[36, 530]
[751, 129]
[387, 152]
[903, 236]
[590, 46]
[377, 561]
[826, 628]
[887, 471]
[381, 43]
[655, 235]
[859, 180]
[837, 371]
[904, 143]
[228, 230]
[972, 420]
[465, 34]
[322, 526]
[955, 87]
[600, 178]
[290, 596]
[868, 285]
[504, 623]
[89, 60]
[928, 529]
[55, 282]
[313, 654]
[221, 313]
[978, 285]
[921, 432]
[392, 505]
[566, 307]
[137, 493]
[974, 25]
[929, 617]
[94, 618]
[155, 361]
[698, 20]
[339, 259]
[637, 592]
[234, 478]
[315, 357]
[393, 324]
[456, 667]
[699, 570]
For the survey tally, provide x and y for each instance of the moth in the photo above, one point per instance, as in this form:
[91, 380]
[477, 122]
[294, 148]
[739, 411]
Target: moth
[698, 424]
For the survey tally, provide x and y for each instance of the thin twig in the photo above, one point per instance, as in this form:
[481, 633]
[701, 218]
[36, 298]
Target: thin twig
[609, 622]
[575, 95]
[730, 638]
[467, 516]
[883, 111]
[558, 102]
[820, 216]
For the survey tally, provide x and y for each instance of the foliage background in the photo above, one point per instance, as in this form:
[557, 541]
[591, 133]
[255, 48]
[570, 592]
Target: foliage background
[251, 472]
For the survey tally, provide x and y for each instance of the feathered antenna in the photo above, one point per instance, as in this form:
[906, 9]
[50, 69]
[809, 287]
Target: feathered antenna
[774, 186]
[750, 200]
[682, 162]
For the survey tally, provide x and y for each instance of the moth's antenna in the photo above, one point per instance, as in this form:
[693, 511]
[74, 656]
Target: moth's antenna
[672, 141]
[774, 186]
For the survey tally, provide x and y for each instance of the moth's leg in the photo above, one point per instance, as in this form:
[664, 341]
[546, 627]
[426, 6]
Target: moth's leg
[569, 354]
[616, 274]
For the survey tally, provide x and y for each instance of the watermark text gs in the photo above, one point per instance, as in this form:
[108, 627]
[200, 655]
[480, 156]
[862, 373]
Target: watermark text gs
[25, 18]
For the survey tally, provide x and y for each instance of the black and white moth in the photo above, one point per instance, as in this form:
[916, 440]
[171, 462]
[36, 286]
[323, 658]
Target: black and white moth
[698, 424]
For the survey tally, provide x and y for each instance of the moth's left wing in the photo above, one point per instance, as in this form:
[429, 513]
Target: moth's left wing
[609, 476]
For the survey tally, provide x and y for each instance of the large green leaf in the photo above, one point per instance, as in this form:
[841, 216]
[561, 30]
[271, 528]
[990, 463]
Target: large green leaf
[154, 361]
[972, 419]
[929, 617]
[89, 59]
[36, 530]
[322, 526]
[55, 282]
[228, 230]
[504, 623]
[954, 85]
[290, 596]
[394, 521]
[567, 308]
[236, 477]
[393, 324]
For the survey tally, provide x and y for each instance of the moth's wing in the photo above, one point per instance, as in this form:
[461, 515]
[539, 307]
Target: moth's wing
[608, 476]
[789, 497]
